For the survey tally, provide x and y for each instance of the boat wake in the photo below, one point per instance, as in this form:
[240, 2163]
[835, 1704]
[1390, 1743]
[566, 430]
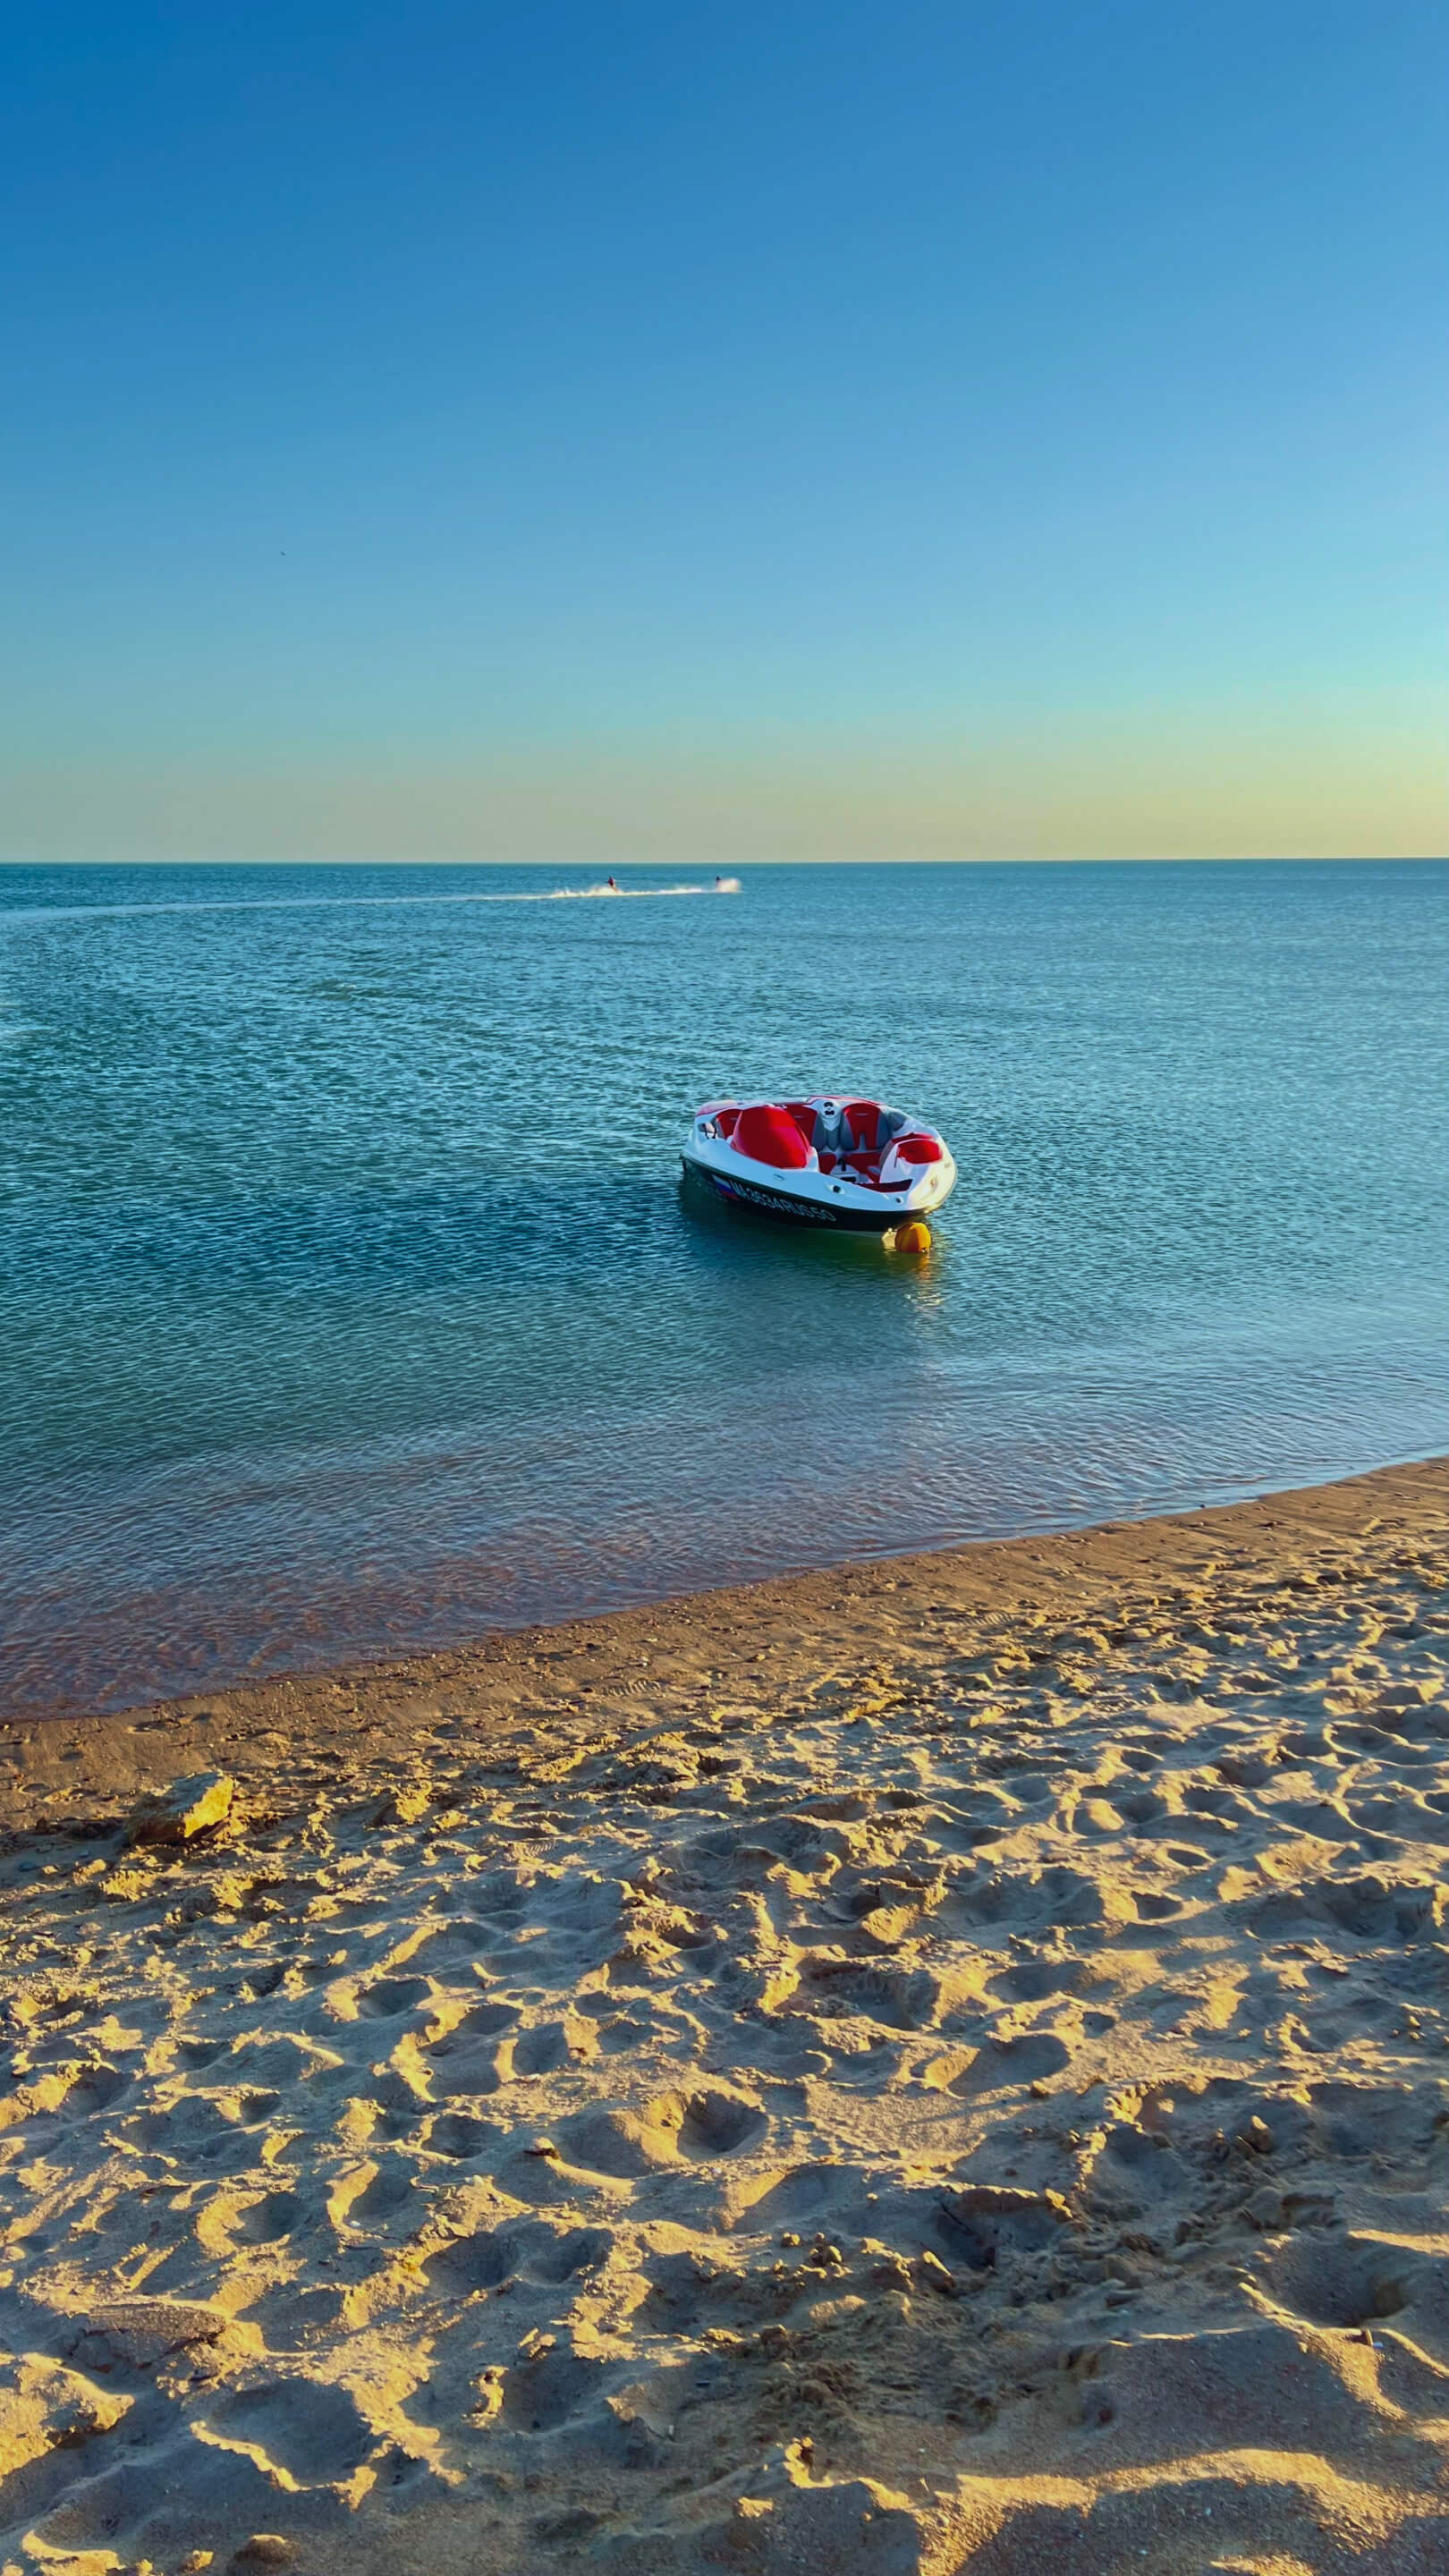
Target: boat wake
[354, 902]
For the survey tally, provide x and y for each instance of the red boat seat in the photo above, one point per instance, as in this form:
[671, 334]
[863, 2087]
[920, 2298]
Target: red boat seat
[862, 1117]
[918, 1149]
[769, 1134]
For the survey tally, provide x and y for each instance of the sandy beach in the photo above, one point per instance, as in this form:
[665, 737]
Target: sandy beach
[938, 2065]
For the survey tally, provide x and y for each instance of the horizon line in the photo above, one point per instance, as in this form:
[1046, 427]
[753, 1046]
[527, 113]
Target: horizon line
[845, 859]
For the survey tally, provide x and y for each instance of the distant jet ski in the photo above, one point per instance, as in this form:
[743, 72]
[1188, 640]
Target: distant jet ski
[851, 1165]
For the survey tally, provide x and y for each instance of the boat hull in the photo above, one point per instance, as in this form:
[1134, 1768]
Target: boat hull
[775, 1199]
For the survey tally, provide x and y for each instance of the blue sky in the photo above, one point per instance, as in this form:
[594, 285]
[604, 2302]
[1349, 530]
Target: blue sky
[459, 432]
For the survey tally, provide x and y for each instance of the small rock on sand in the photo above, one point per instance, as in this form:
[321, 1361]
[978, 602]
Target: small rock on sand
[190, 1806]
[144, 2330]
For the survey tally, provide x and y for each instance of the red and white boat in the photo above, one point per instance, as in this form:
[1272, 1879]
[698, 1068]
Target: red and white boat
[852, 1165]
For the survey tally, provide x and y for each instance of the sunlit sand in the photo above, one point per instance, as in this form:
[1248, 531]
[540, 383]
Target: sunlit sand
[935, 2066]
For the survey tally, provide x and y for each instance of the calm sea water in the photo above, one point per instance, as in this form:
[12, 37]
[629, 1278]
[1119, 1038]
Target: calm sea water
[350, 1300]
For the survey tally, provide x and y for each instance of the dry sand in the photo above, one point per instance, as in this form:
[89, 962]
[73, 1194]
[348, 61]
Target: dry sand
[936, 2066]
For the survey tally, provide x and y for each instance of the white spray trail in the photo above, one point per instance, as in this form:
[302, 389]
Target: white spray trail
[352, 902]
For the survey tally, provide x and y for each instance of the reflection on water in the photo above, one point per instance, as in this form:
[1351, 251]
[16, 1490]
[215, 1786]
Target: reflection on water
[352, 1300]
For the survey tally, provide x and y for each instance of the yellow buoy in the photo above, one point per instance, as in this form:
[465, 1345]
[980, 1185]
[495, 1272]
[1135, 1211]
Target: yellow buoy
[913, 1236]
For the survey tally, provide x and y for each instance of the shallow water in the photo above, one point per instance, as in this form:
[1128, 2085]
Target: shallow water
[351, 1300]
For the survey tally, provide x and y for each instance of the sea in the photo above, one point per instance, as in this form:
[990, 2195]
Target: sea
[351, 1301]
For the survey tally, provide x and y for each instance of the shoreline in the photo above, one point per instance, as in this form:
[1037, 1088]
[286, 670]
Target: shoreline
[985, 1577]
[938, 2063]
[225, 1655]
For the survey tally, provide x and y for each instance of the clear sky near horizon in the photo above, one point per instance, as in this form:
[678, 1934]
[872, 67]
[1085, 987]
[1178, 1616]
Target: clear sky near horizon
[665, 432]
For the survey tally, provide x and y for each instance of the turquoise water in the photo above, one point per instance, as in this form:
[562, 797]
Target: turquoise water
[351, 1301]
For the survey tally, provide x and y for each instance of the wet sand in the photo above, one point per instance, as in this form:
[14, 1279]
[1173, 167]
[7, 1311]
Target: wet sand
[938, 2065]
